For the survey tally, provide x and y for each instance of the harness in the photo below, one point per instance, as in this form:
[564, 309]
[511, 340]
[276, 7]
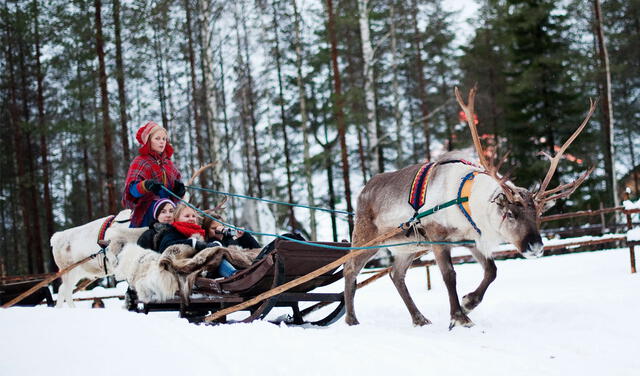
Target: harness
[465, 190]
[103, 230]
[417, 194]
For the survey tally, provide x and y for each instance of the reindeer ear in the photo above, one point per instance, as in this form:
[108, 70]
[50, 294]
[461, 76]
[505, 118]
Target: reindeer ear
[501, 200]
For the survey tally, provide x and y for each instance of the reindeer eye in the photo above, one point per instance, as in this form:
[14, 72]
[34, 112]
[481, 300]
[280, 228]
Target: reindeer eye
[509, 214]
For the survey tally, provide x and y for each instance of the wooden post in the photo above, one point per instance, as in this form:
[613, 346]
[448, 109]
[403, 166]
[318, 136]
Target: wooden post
[632, 253]
[602, 221]
[428, 278]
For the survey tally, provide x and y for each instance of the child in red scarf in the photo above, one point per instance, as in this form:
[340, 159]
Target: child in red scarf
[185, 229]
[148, 172]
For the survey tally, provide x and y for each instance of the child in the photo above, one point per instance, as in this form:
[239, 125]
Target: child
[186, 230]
[162, 217]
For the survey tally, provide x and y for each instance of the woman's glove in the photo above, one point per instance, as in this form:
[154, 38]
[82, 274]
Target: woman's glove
[152, 185]
[178, 188]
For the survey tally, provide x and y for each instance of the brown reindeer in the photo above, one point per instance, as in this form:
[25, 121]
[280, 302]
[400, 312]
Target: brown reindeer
[497, 211]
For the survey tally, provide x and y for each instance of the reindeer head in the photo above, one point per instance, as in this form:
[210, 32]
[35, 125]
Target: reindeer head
[517, 211]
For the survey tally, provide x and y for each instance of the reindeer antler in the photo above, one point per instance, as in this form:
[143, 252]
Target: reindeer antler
[491, 169]
[199, 171]
[565, 190]
[187, 196]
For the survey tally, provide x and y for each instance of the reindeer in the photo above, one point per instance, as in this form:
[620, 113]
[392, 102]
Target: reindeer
[497, 211]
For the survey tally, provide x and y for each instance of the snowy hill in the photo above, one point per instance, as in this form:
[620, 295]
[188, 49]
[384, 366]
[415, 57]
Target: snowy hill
[560, 315]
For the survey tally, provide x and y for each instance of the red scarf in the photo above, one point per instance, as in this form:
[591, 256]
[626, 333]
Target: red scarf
[188, 229]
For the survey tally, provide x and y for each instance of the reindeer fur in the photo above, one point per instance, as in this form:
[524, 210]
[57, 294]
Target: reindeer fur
[141, 268]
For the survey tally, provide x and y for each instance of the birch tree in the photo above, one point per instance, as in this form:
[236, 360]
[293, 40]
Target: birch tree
[369, 84]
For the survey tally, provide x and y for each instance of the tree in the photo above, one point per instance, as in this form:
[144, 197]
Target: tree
[106, 121]
[608, 128]
[338, 109]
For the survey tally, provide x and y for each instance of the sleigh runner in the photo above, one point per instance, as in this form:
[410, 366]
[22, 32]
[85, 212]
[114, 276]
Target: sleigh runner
[287, 262]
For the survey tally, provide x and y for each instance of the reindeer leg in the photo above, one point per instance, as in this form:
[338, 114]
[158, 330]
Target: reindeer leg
[351, 269]
[65, 292]
[443, 259]
[401, 263]
[472, 299]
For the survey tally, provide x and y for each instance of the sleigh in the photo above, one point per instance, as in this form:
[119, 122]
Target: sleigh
[10, 289]
[287, 262]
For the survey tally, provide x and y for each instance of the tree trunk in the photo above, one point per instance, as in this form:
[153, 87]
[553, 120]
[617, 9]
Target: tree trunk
[424, 107]
[209, 100]
[607, 109]
[338, 109]
[302, 95]
[204, 177]
[35, 237]
[283, 120]
[243, 83]
[249, 93]
[18, 157]
[369, 85]
[42, 125]
[122, 99]
[395, 87]
[227, 136]
[160, 78]
[106, 122]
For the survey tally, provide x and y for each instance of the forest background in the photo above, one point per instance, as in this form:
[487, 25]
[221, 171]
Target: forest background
[301, 101]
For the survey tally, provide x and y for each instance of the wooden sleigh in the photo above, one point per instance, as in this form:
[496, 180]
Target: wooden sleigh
[287, 262]
[10, 289]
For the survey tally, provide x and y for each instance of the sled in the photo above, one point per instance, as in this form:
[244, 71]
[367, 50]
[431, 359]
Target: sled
[288, 261]
[10, 290]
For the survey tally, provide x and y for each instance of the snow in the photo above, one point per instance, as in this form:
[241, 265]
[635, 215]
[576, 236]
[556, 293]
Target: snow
[559, 315]
[633, 234]
[630, 205]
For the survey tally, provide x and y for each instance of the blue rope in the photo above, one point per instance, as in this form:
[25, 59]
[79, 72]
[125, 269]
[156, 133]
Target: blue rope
[270, 201]
[310, 243]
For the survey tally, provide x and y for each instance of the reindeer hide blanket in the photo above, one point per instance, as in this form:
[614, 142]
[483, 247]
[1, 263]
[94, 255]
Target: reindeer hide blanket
[187, 264]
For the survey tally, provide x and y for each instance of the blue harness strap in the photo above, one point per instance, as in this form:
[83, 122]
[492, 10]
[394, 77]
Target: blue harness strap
[467, 178]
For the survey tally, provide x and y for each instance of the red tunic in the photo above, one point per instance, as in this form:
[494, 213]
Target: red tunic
[148, 165]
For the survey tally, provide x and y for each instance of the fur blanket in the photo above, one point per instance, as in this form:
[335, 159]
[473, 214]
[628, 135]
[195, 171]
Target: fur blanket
[183, 261]
[139, 267]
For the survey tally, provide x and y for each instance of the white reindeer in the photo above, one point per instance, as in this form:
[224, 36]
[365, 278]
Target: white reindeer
[76, 243]
[498, 211]
[140, 268]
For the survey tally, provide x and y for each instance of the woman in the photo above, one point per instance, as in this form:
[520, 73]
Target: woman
[162, 217]
[215, 231]
[186, 230]
[148, 172]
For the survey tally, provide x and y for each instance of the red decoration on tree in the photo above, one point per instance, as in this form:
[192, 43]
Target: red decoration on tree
[463, 117]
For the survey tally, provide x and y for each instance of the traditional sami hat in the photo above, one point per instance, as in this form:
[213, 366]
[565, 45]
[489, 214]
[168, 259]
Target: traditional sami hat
[145, 132]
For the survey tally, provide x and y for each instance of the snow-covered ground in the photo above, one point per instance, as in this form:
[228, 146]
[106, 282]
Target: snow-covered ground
[559, 315]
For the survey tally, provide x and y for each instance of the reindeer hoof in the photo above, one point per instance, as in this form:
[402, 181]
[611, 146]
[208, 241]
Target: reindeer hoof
[469, 303]
[421, 321]
[351, 320]
[460, 319]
